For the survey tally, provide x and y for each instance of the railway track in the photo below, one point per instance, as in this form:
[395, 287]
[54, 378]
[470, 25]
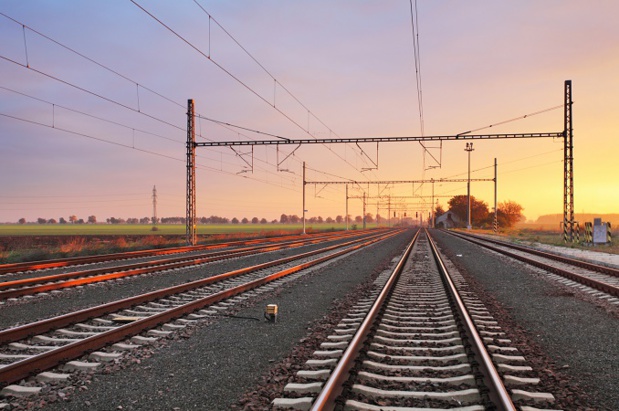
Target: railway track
[84, 260]
[598, 280]
[104, 332]
[29, 284]
[421, 341]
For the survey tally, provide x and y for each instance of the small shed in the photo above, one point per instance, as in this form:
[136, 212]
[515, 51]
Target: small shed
[448, 220]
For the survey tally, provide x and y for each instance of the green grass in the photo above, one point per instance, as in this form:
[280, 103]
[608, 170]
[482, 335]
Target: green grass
[143, 229]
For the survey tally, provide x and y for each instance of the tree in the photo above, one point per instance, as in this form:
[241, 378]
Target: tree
[294, 219]
[509, 213]
[319, 220]
[22, 221]
[329, 220]
[73, 219]
[244, 220]
[263, 221]
[61, 220]
[51, 221]
[235, 220]
[283, 219]
[339, 219]
[143, 220]
[439, 211]
[369, 218]
[255, 220]
[358, 219]
[92, 219]
[41, 220]
[81, 221]
[479, 209]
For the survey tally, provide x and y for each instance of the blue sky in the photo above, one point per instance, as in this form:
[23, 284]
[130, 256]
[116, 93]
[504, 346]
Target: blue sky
[349, 62]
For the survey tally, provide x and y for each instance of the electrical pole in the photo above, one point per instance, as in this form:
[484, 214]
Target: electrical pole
[431, 222]
[346, 207]
[190, 222]
[364, 210]
[496, 215]
[304, 210]
[469, 148]
[389, 213]
[154, 207]
[568, 165]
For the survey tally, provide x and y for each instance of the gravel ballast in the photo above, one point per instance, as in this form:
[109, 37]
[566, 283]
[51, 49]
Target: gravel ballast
[580, 339]
[210, 367]
[39, 307]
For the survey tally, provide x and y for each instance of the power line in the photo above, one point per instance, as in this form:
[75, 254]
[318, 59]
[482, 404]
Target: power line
[415, 35]
[91, 60]
[89, 115]
[138, 85]
[512, 119]
[135, 148]
[92, 93]
[54, 105]
[237, 79]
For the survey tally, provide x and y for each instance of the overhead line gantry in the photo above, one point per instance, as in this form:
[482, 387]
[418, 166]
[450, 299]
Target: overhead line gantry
[566, 134]
[389, 182]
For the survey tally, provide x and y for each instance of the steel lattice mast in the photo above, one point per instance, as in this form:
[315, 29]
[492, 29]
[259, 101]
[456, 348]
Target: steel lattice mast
[190, 219]
[568, 166]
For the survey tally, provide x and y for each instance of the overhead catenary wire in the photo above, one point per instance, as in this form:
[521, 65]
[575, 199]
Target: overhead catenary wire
[236, 78]
[107, 121]
[115, 72]
[98, 95]
[109, 69]
[512, 119]
[199, 166]
[72, 50]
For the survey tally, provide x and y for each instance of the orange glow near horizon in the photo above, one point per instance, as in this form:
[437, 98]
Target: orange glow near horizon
[343, 69]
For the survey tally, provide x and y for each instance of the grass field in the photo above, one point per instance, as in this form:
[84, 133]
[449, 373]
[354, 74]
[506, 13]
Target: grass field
[34, 242]
[143, 229]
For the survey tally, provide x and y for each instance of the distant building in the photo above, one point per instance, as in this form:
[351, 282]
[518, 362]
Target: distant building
[448, 220]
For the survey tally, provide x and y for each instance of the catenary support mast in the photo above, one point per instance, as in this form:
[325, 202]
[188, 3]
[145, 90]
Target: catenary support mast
[190, 221]
[568, 166]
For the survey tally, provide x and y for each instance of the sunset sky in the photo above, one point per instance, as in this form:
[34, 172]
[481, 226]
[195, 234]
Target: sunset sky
[93, 103]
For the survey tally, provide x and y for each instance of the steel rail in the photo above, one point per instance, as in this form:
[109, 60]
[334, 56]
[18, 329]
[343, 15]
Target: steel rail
[497, 393]
[24, 368]
[28, 286]
[66, 262]
[599, 285]
[572, 261]
[27, 330]
[333, 387]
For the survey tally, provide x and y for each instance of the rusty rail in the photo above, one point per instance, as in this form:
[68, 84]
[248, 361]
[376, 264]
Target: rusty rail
[24, 368]
[28, 286]
[66, 262]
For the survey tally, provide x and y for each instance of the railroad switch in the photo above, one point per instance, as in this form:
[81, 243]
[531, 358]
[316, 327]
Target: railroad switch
[270, 313]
